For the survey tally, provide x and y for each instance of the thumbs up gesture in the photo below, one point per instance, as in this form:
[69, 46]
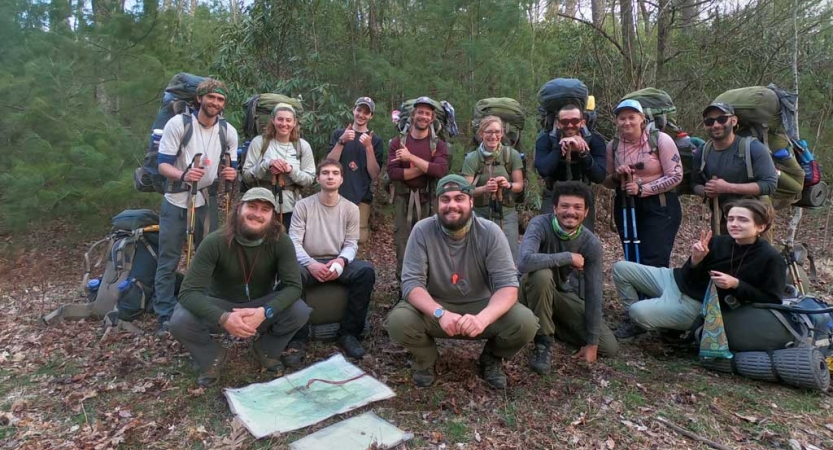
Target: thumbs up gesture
[348, 135]
[367, 140]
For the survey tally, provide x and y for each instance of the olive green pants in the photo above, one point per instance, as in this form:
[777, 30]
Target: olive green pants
[402, 226]
[415, 331]
[561, 314]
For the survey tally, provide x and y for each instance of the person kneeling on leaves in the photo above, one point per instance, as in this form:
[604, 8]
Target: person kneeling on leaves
[230, 287]
[459, 282]
[743, 267]
[562, 283]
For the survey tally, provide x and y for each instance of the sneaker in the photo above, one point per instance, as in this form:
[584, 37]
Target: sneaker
[491, 369]
[271, 365]
[210, 376]
[628, 329]
[423, 377]
[351, 346]
[293, 356]
[539, 360]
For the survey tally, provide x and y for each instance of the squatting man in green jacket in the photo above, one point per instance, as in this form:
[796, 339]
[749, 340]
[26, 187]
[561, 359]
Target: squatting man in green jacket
[231, 287]
[459, 282]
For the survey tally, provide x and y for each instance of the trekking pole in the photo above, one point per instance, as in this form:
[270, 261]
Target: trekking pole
[229, 187]
[569, 160]
[634, 233]
[277, 189]
[715, 214]
[626, 240]
[499, 206]
[192, 214]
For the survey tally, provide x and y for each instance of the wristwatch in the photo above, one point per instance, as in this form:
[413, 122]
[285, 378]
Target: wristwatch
[439, 312]
[268, 312]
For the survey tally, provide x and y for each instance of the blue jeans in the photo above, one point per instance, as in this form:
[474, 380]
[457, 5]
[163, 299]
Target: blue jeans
[172, 235]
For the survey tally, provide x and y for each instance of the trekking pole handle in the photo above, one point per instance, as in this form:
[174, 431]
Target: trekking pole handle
[197, 164]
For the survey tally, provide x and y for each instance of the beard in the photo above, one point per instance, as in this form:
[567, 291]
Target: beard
[455, 225]
[249, 233]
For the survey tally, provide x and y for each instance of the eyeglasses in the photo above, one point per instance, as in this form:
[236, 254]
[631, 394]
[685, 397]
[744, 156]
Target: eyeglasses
[709, 121]
[492, 132]
[566, 122]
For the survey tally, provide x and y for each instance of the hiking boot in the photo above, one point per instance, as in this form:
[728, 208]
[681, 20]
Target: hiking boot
[491, 369]
[293, 356]
[164, 327]
[628, 329]
[210, 375]
[423, 377]
[539, 360]
[351, 346]
[271, 365]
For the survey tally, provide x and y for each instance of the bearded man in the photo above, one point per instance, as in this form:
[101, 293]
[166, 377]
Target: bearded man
[244, 280]
[459, 282]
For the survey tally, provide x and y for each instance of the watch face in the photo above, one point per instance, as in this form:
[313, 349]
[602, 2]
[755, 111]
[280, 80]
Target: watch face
[439, 312]
[269, 312]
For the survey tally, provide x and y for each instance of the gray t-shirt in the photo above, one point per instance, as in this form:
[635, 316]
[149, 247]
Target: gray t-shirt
[542, 249]
[482, 261]
[728, 164]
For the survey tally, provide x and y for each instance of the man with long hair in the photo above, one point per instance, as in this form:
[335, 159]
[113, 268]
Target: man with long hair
[177, 164]
[231, 287]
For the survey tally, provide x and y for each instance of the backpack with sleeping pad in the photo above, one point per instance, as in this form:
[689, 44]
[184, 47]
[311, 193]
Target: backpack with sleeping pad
[661, 114]
[556, 94]
[513, 116]
[125, 288]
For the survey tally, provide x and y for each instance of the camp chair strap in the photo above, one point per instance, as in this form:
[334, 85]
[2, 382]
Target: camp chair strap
[89, 268]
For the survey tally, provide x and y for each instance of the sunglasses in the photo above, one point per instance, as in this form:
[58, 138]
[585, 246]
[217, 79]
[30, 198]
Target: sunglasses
[566, 122]
[709, 121]
[492, 132]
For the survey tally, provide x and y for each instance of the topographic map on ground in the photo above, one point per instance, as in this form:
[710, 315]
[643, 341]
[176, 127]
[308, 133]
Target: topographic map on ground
[301, 399]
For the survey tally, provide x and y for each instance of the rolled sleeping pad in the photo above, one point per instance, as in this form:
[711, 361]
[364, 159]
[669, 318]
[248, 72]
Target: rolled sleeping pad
[800, 367]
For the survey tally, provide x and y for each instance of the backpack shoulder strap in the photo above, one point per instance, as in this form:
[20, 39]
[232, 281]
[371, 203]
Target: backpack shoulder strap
[653, 140]
[746, 153]
[614, 145]
[223, 136]
[706, 150]
[187, 132]
[481, 166]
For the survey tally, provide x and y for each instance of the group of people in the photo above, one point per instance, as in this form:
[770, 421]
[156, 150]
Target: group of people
[463, 271]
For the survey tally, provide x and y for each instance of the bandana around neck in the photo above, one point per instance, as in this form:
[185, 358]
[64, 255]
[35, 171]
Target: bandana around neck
[563, 235]
[456, 235]
[487, 154]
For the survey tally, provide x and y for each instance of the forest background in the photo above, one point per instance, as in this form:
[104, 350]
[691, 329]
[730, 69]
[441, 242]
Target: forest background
[81, 80]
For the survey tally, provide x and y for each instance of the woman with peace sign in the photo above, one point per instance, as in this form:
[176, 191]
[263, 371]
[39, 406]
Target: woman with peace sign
[743, 267]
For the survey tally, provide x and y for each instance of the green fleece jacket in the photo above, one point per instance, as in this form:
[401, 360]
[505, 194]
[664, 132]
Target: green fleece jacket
[216, 279]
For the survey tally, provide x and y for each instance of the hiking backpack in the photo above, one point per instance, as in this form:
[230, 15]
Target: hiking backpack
[510, 112]
[768, 114]
[661, 113]
[129, 252]
[556, 94]
[505, 160]
[180, 97]
[445, 121]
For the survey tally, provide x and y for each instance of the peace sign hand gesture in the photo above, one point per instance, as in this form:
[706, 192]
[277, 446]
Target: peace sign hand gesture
[700, 248]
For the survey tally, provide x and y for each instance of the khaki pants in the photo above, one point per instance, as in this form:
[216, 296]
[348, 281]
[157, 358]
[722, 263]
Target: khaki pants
[561, 314]
[364, 222]
[402, 227]
[416, 331]
[666, 307]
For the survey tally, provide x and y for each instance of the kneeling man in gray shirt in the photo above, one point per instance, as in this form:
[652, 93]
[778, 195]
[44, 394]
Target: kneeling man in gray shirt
[459, 282]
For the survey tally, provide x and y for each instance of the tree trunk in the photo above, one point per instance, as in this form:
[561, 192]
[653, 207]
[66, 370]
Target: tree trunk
[59, 14]
[232, 6]
[689, 10]
[193, 7]
[628, 42]
[570, 7]
[166, 5]
[597, 9]
[663, 25]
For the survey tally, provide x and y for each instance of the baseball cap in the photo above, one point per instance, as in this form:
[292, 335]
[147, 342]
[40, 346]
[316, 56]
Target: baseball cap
[628, 104]
[260, 194]
[454, 182]
[366, 101]
[725, 107]
[424, 100]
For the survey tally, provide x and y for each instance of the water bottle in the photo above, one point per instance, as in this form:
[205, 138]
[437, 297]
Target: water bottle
[683, 140]
[782, 154]
[131, 300]
[92, 289]
[155, 137]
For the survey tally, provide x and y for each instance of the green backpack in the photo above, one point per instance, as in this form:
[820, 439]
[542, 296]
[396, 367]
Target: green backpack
[509, 110]
[506, 161]
[765, 114]
[259, 109]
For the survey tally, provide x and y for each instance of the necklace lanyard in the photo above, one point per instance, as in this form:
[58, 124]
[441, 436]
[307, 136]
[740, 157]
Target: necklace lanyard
[205, 145]
[456, 277]
[247, 276]
[733, 272]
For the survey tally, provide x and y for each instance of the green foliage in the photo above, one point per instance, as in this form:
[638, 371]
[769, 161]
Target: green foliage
[78, 90]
